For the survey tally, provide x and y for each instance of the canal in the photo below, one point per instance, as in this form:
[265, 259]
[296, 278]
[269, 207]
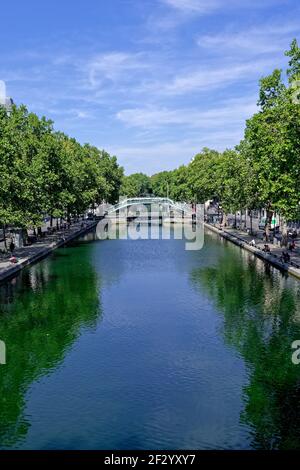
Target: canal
[123, 344]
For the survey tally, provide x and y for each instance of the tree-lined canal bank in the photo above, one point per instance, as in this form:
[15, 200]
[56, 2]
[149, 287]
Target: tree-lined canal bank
[31, 254]
[273, 257]
[142, 344]
[28, 255]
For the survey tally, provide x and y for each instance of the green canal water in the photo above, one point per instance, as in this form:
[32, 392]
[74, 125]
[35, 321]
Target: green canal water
[123, 344]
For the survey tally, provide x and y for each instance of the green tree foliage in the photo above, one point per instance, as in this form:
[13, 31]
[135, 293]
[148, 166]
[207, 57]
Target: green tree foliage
[161, 183]
[293, 53]
[273, 143]
[260, 324]
[180, 188]
[46, 172]
[39, 332]
[264, 169]
[203, 171]
[271, 88]
[136, 185]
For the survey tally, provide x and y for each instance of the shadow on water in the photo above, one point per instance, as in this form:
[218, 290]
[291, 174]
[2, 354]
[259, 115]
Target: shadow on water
[261, 319]
[42, 312]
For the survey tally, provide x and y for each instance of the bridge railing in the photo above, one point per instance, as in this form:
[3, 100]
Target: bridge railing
[164, 201]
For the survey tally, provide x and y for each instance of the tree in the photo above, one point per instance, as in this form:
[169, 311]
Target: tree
[180, 189]
[46, 172]
[161, 183]
[271, 88]
[110, 170]
[273, 146]
[293, 72]
[22, 137]
[202, 175]
[136, 185]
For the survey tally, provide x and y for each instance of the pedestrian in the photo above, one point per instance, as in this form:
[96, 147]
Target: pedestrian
[11, 246]
[265, 237]
[292, 246]
[285, 257]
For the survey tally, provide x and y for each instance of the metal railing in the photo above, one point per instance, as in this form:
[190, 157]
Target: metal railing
[164, 201]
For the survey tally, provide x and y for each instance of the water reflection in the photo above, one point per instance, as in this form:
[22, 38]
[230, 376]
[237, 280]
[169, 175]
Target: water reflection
[160, 369]
[42, 312]
[261, 313]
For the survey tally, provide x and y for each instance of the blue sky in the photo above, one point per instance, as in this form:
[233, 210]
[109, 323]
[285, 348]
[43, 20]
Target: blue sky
[151, 81]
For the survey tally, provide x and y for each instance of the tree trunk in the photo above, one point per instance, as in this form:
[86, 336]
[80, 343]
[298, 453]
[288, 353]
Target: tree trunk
[251, 226]
[224, 219]
[4, 236]
[268, 224]
[51, 221]
[24, 236]
[284, 231]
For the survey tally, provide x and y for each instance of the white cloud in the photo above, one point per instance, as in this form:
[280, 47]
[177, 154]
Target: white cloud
[71, 113]
[199, 6]
[207, 78]
[165, 155]
[82, 114]
[233, 112]
[253, 41]
[207, 6]
[177, 13]
[141, 95]
[112, 66]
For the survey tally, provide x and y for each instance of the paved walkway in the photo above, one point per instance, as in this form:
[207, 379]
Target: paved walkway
[44, 246]
[243, 240]
[275, 249]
